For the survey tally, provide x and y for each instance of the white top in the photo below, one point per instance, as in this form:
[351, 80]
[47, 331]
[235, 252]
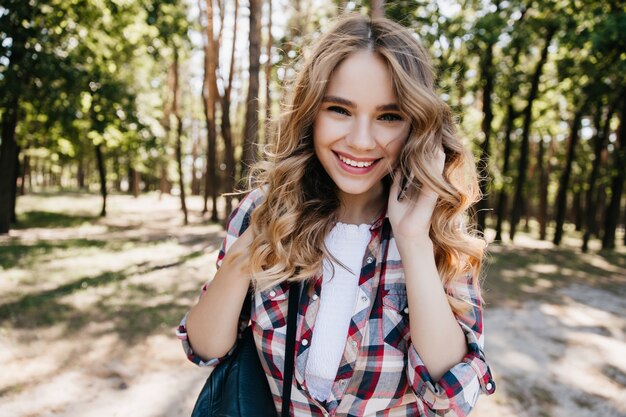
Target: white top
[347, 243]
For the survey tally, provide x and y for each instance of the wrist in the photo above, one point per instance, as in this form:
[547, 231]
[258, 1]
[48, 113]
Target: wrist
[412, 244]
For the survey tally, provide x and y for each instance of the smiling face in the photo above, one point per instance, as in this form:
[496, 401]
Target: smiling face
[359, 131]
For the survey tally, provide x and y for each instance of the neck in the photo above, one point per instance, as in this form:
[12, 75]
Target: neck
[361, 208]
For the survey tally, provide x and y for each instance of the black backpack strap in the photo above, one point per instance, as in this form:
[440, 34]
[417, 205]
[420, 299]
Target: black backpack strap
[290, 346]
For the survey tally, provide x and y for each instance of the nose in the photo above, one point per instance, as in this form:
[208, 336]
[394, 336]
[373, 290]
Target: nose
[361, 136]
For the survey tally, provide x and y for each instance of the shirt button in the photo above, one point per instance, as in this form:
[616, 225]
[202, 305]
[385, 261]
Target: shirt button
[406, 310]
[342, 382]
[489, 386]
[370, 259]
[315, 297]
[305, 342]
[364, 299]
[353, 343]
[272, 294]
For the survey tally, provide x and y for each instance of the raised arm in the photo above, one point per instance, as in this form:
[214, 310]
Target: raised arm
[210, 330]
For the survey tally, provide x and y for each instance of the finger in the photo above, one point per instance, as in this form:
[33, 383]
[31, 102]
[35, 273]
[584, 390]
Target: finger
[395, 183]
[404, 185]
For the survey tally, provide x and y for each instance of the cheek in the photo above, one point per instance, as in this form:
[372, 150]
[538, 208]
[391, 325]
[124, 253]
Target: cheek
[394, 144]
[320, 132]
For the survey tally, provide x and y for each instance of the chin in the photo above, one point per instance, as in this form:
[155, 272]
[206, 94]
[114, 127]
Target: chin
[356, 189]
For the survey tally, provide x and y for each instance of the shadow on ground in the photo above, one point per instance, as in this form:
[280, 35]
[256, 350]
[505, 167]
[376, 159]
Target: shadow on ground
[51, 219]
[126, 307]
[515, 274]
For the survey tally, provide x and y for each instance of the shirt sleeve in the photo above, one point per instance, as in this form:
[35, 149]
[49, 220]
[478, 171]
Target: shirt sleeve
[456, 393]
[238, 222]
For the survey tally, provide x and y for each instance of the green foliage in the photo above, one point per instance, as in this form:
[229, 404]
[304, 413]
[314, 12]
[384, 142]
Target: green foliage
[93, 72]
[85, 71]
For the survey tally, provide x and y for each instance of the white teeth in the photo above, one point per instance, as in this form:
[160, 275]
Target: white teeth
[352, 163]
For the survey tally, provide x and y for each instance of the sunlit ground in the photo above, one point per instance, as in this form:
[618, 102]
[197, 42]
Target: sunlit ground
[88, 309]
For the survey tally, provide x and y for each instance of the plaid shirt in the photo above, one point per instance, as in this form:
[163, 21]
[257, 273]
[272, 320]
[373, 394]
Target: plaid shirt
[381, 373]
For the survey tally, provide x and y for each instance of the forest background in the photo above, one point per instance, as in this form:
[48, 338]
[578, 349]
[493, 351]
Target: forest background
[124, 121]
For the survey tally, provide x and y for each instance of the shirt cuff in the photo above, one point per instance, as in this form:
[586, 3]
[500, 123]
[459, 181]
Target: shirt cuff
[460, 386]
[181, 333]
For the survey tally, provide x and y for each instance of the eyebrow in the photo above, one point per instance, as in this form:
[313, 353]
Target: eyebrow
[348, 103]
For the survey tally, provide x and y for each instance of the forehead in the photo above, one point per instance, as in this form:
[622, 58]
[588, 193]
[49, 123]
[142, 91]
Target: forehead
[363, 78]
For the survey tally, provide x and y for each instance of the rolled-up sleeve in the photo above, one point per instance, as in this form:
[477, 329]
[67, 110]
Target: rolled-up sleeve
[238, 222]
[457, 391]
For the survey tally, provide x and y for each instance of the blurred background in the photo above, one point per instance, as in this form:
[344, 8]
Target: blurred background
[124, 121]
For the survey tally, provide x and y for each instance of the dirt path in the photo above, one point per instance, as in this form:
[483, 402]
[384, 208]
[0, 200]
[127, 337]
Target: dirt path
[87, 315]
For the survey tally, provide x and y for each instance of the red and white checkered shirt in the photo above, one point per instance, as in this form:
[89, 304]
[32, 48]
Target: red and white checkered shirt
[381, 373]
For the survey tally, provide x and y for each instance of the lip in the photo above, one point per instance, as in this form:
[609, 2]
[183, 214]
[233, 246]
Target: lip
[354, 158]
[355, 170]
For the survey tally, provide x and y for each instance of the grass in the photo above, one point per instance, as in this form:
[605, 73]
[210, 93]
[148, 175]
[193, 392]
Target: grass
[51, 219]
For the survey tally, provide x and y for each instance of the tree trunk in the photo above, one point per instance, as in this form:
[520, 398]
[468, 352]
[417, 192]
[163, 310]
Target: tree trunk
[30, 175]
[136, 183]
[17, 80]
[133, 181]
[9, 152]
[617, 183]
[195, 181]
[487, 77]
[268, 76]
[561, 200]
[179, 134]
[578, 208]
[117, 168]
[39, 169]
[378, 9]
[164, 183]
[16, 174]
[523, 161]
[229, 152]
[599, 146]
[25, 174]
[103, 179]
[252, 103]
[624, 222]
[210, 96]
[508, 144]
[542, 214]
[80, 173]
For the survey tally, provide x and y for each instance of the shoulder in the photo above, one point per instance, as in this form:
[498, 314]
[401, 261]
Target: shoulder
[239, 219]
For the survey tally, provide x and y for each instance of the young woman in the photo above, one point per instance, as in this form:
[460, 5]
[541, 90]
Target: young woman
[362, 198]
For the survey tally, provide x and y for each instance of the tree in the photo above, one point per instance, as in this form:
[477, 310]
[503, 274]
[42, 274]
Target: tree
[229, 152]
[523, 161]
[617, 183]
[66, 64]
[600, 139]
[378, 9]
[488, 31]
[169, 17]
[252, 104]
[565, 177]
[210, 98]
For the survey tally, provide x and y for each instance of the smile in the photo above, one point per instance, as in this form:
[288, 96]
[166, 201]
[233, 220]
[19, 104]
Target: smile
[356, 164]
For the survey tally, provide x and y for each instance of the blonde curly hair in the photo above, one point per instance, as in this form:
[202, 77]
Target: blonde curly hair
[300, 200]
